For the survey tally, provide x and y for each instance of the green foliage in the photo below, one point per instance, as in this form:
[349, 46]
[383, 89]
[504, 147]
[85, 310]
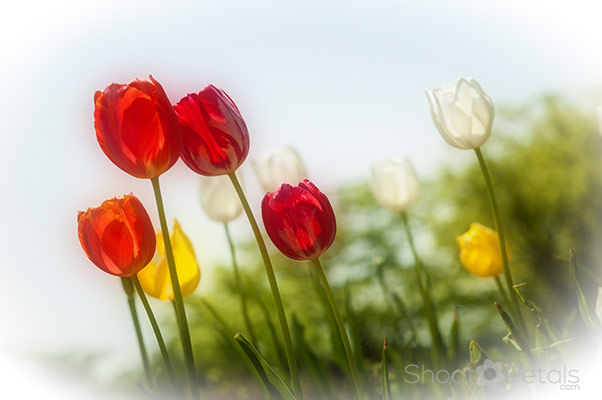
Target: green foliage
[546, 167]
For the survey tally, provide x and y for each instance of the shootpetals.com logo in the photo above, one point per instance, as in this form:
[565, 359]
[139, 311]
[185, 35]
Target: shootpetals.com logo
[491, 375]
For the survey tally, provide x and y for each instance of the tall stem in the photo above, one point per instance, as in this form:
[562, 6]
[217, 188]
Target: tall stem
[127, 287]
[502, 239]
[239, 286]
[156, 330]
[178, 301]
[500, 286]
[342, 332]
[429, 309]
[269, 270]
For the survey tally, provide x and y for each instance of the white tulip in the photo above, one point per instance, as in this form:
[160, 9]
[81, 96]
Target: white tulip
[394, 184]
[219, 198]
[462, 112]
[281, 165]
[600, 118]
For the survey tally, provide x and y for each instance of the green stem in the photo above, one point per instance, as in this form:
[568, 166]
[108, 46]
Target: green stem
[502, 239]
[156, 330]
[178, 301]
[430, 312]
[286, 334]
[342, 332]
[500, 287]
[239, 286]
[127, 287]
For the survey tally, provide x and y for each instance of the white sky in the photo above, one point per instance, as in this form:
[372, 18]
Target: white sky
[342, 82]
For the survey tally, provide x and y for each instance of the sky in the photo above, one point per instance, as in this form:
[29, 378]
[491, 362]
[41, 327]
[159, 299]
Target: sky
[343, 82]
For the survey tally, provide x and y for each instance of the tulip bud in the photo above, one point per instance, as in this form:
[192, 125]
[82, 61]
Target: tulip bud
[299, 220]
[480, 251]
[219, 198]
[215, 136]
[118, 237]
[137, 128]
[394, 184]
[462, 112]
[281, 165]
[155, 279]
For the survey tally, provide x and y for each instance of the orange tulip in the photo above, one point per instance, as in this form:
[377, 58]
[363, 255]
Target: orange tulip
[137, 127]
[118, 237]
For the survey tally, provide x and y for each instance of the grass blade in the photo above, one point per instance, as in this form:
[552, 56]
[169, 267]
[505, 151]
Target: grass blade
[584, 308]
[385, 385]
[275, 385]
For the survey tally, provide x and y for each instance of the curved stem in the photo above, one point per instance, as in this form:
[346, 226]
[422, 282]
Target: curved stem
[178, 301]
[269, 270]
[502, 239]
[342, 332]
[156, 330]
[239, 286]
[127, 287]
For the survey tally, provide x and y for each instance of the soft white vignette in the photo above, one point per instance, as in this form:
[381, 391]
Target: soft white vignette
[343, 82]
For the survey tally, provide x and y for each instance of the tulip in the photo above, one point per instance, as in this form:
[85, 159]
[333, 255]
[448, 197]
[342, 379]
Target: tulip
[301, 223]
[118, 236]
[462, 112]
[137, 128]
[216, 142]
[480, 251]
[299, 220]
[281, 165]
[215, 136]
[219, 198]
[394, 184]
[155, 279]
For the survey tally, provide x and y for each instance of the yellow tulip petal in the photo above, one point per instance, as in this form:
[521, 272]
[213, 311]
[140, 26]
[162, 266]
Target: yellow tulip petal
[480, 251]
[155, 279]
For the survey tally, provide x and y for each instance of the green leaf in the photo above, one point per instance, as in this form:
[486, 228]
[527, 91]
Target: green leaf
[385, 385]
[537, 311]
[518, 338]
[584, 308]
[454, 336]
[276, 386]
[475, 352]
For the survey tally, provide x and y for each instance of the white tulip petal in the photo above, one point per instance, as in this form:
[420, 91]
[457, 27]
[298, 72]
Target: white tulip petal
[281, 165]
[394, 184]
[219, 198]
[462, 113]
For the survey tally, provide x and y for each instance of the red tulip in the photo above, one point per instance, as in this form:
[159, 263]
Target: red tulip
[215, 136]
[299, 220]
[118, 236]
[137, 128]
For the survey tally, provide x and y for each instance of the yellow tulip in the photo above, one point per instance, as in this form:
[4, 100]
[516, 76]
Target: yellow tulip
[155, 279]
[480, 251]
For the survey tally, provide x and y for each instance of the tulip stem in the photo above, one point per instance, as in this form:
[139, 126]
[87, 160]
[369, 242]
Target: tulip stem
[502, 239]
[342, 332]
[178, 301]
[286, 334]
[500, 287]
[156, 330]
[430, 312]
[239, 286]
[127, 287]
